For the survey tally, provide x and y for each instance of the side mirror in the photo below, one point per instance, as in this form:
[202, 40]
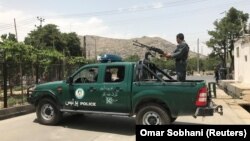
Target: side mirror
[70, 80]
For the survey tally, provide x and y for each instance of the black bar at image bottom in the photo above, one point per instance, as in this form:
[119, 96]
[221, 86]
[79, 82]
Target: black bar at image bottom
[204, 132]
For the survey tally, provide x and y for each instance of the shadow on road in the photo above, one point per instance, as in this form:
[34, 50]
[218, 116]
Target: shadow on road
[100, 123]
[186, 123]
[103, 123]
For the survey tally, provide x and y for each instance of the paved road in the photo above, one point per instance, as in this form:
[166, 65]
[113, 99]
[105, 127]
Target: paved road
[102, 128]
[207, 78]
[72, 128]
[97, 127]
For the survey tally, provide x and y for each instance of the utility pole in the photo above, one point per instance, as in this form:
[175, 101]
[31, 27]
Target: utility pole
[201, 50]
[15, 29]
[198, 57]
[5, 75]
[95, 50]
[41, 20]
[63, 73]
[84, 47]
[20, 65]
[227, 55]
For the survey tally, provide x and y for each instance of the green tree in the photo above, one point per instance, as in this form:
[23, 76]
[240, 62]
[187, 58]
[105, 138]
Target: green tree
[211, 63]
[192, 64]
[50, 37]
[17, 55]
[72, 43]
[164, 64]
[229, 28]
[10, 37]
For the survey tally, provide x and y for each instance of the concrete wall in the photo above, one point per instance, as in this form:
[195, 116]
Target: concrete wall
[242, 59]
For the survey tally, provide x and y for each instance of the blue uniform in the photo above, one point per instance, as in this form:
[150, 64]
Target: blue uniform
[181, 54]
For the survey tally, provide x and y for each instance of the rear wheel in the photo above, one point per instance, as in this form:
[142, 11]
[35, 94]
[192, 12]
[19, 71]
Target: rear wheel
[47, 112]
[152, 114]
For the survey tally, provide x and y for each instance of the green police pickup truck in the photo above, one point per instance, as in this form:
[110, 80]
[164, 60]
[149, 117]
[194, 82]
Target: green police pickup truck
[122, 89]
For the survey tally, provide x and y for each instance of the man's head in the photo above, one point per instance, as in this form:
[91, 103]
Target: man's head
[179, 38]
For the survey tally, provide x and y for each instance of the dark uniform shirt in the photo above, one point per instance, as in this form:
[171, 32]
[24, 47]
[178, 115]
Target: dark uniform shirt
[181, 54]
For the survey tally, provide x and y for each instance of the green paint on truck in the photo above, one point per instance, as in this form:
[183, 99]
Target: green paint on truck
[124, 89]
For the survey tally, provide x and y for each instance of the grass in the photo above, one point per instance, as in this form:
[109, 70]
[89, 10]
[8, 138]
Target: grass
[19, 88]
[14, 101]
[17, 100]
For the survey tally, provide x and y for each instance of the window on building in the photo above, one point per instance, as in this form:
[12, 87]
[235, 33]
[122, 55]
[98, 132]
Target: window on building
[246, 58]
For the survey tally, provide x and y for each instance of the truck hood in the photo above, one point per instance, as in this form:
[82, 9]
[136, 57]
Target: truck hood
[50, 85]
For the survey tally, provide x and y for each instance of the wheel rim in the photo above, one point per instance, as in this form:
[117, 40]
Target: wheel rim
[151, 118]
[47, 112]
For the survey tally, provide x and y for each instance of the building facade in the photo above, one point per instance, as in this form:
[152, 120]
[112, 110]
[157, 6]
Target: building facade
[242, 59]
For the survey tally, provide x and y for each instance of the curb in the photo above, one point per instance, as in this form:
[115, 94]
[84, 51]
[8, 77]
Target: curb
[16, 111]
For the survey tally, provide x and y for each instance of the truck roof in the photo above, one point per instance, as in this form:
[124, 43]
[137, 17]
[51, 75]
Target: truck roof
[111, 63]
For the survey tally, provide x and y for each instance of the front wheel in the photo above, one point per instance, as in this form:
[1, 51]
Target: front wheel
[152, 114]
[47, 112]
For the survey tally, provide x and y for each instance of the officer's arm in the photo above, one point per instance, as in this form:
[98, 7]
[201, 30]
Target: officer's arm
[179, 52]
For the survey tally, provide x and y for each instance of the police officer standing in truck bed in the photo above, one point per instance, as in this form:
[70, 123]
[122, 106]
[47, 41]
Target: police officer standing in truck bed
[180, 55]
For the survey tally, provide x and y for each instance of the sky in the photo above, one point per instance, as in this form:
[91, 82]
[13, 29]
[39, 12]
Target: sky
[121, 18]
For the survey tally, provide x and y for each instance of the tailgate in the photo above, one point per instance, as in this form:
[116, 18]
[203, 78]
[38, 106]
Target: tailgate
[210, 108]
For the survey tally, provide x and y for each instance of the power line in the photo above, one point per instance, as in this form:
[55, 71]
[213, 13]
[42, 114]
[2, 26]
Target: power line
[11, 27]
[29, 21]
[21, 23]
[24, 20]
[100, 13]
[117, 11]
[129, 10]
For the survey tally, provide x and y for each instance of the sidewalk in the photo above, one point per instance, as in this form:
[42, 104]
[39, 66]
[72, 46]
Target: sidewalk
[236, 89]
[232, 107]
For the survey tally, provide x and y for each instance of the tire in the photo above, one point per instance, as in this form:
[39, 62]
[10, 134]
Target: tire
[47, 112]
[152, 114]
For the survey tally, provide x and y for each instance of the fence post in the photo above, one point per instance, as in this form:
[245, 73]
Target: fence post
[5, 74]
[212, 89]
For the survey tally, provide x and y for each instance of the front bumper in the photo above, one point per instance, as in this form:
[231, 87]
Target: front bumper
[30, 98]
[209, 110]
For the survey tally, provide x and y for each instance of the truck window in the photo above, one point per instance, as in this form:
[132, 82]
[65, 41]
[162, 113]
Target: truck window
[143, 74]
[87, 75]
[114, 74]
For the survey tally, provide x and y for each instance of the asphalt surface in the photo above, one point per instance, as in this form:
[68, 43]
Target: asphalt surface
[72, 128]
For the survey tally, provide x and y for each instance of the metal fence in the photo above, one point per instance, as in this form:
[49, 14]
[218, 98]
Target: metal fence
[20, 76]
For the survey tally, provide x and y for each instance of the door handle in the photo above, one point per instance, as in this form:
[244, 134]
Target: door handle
[92, 89]
[137, 83]
[117, 89]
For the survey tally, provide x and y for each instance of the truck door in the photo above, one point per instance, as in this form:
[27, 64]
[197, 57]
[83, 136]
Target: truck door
[84, 90]
[115, 95]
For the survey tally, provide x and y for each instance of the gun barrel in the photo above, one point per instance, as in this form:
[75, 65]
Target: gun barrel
[136, 43]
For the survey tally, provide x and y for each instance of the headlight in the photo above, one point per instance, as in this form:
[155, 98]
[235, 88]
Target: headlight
[32, 88]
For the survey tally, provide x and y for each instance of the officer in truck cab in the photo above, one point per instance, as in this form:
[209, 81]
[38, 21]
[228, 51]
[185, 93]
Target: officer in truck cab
[180, 55]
